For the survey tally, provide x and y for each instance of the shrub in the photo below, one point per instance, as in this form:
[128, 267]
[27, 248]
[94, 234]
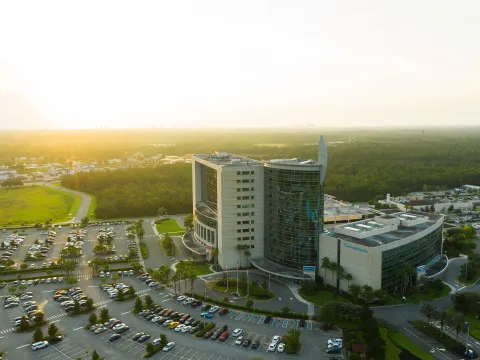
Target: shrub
[208, 327]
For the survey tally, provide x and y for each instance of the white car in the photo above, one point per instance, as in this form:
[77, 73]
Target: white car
[275, 339]
[239, 340]
[26, 297]
[186, 329]
[281, 348]
[131, 273]
[214, 309]
[179, 327]
[156, 342]
[155, 319]
[181, 298]
[39, 345]
[335, 342]
[108, 274]
[237, 332]
[169, 346]
[102, 274]
[67, 303]
[118, 326]
[272, 347]
[166, 323]
[153, 284]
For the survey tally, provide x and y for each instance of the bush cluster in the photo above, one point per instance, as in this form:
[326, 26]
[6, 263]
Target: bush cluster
[208, 327]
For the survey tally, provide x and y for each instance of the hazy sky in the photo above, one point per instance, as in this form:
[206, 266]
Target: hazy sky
[78, 64]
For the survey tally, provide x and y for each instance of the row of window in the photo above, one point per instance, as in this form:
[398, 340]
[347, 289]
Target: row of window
[245, 238]
[245, 172]
[245, 230]
[246, 222]
[246, 214]
[245, 206]
[245, 181]
[247, 197]
[245, 189]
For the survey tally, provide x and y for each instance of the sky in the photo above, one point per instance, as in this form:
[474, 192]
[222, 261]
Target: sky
[122, 64]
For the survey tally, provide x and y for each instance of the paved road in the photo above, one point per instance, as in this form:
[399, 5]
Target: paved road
[83, 209]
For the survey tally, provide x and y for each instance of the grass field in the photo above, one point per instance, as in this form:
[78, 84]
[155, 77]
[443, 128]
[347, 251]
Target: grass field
[92, 207]
[36, 204]
[393, 352]
[170, 226]
[176, 250]
[198, 269]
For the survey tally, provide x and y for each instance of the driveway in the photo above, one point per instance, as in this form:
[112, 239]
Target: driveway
[83, 209]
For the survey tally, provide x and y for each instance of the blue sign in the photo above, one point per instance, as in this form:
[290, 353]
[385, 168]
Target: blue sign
[309, 268]
[353, 247]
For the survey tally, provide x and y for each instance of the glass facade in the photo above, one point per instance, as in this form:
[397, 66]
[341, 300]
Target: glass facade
[293, 216]
[414, 254]
[209, 187]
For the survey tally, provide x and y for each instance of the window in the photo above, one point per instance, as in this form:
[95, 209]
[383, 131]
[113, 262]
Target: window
[245, 172]
[252, 214]
[239, 214]
[252, 205]
[252, 230]
[245, 181]
[244, 230]
[252, 238]
[244, 206]
[244, 222]
[239, 222]
[251, 181]
[239, 206]
[252, 246]
[252, 197]
[245, 197]
[239, 181]
[252, 222]
[238, 172]
[252, 189]
[245, 214]
[252, 172]
[246, 238]
[238, 189]
[239, 238]
[245, 189]
[239, 198]
[239, 230]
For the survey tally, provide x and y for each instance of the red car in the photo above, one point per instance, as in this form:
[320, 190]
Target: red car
[116, 322]
[223, 311]
[224, 336]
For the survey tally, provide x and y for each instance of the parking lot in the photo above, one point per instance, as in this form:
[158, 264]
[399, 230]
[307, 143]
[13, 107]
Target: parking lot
[66, 349]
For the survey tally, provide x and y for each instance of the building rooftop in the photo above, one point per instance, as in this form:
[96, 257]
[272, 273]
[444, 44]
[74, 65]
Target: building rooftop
[384, 229]
[226, 159]
[294, 161]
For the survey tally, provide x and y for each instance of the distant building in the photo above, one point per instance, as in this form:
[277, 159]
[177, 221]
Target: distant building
[471, 187]
[6, 174]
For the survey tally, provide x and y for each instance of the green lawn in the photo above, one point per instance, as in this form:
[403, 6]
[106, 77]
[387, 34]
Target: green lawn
[170, 226]
[254, 290]
[322, 296]
[198, 269]
[144, 251]
[474, 326]
[36, 204]
[393, 352]
[419, 297]
[92, 207]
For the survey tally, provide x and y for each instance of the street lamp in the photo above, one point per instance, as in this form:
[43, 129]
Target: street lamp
[468, 334]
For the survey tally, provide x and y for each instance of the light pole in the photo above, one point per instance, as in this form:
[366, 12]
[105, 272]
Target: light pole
[468, 334]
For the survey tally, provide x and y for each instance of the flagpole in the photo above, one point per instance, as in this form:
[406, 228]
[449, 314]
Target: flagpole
[237, 278]
[226, 271]
[247, 282]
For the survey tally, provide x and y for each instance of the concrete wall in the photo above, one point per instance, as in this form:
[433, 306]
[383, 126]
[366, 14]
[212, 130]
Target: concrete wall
[250, 210]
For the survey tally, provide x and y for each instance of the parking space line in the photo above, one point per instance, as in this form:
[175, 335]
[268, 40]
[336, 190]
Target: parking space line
[261, 320]
[273, 322]
[309, 325]
[285, 323]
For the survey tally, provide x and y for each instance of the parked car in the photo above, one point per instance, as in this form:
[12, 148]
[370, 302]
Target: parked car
[169, 346]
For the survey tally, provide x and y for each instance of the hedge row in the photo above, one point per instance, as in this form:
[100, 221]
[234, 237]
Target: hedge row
[292, 315]
[449, 342]
[23, 271]
[208, 327]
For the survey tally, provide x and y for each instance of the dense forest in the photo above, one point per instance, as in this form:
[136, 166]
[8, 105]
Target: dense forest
[363, 163]
[137, 192]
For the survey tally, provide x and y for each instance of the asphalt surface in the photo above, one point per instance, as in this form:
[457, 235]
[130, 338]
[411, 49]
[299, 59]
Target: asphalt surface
[80, 342]
[83, 209]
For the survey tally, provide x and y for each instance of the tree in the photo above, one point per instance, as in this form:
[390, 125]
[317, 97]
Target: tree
[24, 325]
[326, 265]
[23, 266]
[348, 277]
[12, 289]
[68, 266]
[457, 321]
[443, 317]
[161, 212]
[115, 277]
[121, 295]
[71, 280]
[148, 301]
[22, 287]
[136, 266]
[163, 340]
[95, 355]
[38, 334]
[76, 307]
[215, 257]
[328, 313]
[100, 250]
[355, 290]
[249, 303]
[367, 293]
[104, 315]
[52, 330]
[89, 304]
[286, 310]
[149, 348]
[192, 277]
[39, 318]
[131, 291]
[292, 341]
[92, 319]
[140, 234]
[138, 305]
[428, 310]
[188, 222]
[85, 221]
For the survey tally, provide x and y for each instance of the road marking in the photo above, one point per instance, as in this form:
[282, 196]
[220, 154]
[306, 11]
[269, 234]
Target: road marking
[461, 288]
[54, 321]
[127, 312]
[94, 286]
[426, 343]
[19, 347]
[81, 327]
[49, 291]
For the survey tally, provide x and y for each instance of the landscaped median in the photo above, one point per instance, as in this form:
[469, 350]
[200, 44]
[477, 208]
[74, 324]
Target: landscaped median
[253, 290]
[398, 346]
[144, 251]
[168, 246]
[169, 226]
[450, 343]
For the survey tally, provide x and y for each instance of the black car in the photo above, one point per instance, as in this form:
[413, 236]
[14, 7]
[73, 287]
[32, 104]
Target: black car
[302, 323]
[69, 309]
[144, 338]
[194, 329]
[138, 335]
[150, 317]
[255, 345]
[55, 339]
[267, 320]
[247, 343]
[115, 337]
[147, 313]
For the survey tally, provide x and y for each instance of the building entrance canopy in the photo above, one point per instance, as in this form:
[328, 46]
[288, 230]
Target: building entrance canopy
[193, 245]
[279, 270]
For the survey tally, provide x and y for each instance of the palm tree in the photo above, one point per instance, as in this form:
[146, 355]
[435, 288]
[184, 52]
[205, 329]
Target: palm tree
[398, 275]
[325, 266]
[355, 291]
[333, 269]
[215, 257]
[68, 267]
[348, 277]
[458, 322]
[428, 310]
[248, 254]
[367, 293]
[192, 277]
[443, 317]
[409, 272]
[175, 278]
